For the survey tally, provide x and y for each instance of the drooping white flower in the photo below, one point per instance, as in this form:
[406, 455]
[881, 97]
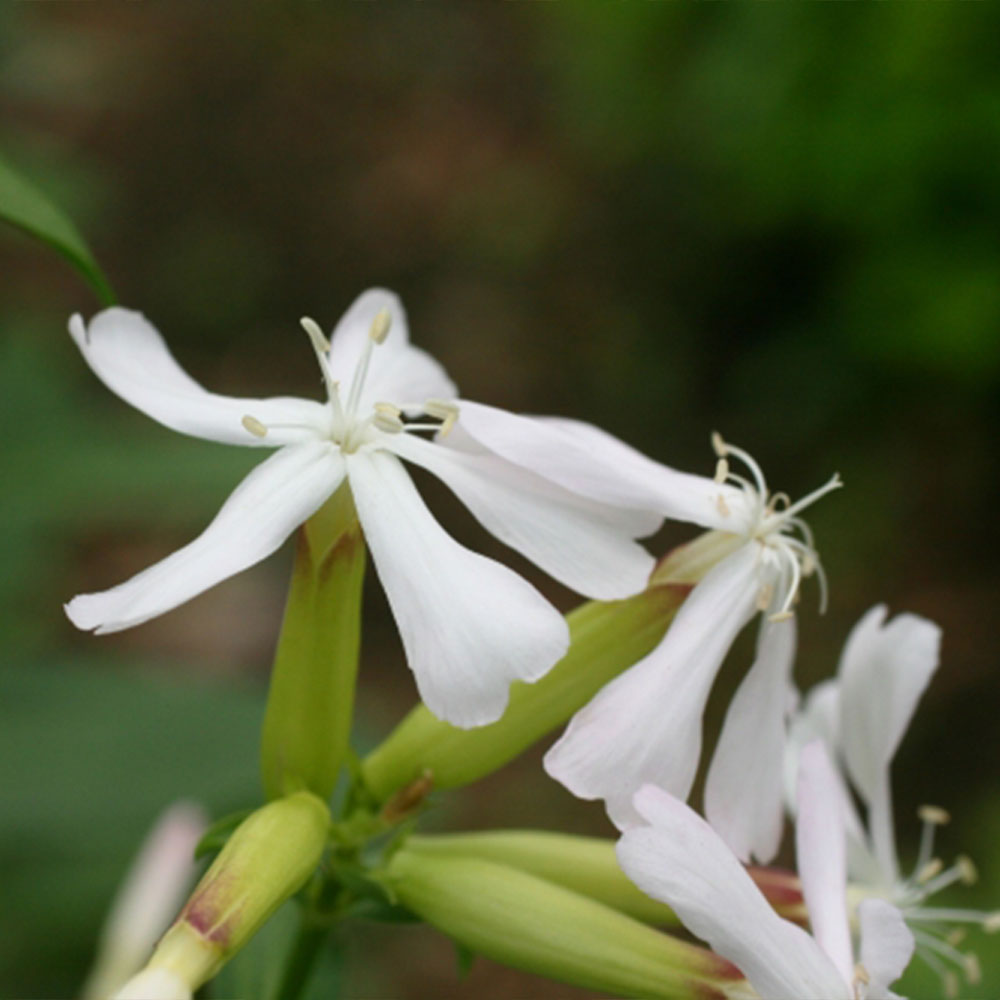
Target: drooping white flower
[680, 860]
[645, 725]
[861, 717]
[469, 625]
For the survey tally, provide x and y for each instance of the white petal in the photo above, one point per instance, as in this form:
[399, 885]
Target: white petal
[132, 360]
[819, 718]
[469, 625]
[743, 791]
[645, 725]
[398, 373]
[886, 946]
[583, 544]
[883, 672]
[274, 499]
[679, 860]
[821, 852]
[590, 462]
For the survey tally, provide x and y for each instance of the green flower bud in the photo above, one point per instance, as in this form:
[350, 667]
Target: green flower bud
[267, 859]
[588, 865]
[532, 924]
[311, 699]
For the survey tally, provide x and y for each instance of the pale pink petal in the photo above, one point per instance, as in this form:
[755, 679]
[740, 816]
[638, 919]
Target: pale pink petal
[469, 625]
[645, 725]
[270, 503]
[680, 860]
[743, 791]
[132, 360]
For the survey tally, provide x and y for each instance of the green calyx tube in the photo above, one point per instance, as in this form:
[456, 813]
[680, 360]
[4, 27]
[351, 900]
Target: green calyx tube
[532, 924]
[311, 698]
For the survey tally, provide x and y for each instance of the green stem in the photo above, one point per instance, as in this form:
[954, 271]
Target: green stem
[314, 929]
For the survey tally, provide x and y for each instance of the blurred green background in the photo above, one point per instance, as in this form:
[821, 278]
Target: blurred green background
[779, 222]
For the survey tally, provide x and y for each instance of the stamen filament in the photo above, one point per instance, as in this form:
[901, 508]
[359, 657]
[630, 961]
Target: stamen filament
[834, 483]
[951, 914]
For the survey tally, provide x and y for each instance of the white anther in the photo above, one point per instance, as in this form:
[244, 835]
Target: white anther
[973, 972]
[441, 409]
[932, 868]
[316, 335]
[387, 422]
[967, 872]
[719, 445]
[934, 815]
[991, 922]
[721, 470]
[254, 426]
[764, 597]
[388, 409]
[951, 984]
[447, 424]
[379, 329]
[956, 936]
[723, 507]
[781, 616]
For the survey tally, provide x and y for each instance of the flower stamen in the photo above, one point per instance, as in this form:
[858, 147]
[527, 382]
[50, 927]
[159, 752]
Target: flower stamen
[254, 426]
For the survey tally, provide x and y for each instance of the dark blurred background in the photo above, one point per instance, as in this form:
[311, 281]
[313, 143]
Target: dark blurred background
[779, 222]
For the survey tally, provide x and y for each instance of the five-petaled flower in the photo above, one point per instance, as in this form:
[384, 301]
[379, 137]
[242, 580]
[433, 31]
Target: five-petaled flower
[861, 717]
[469, 625]
[645, 725]
[677, 858]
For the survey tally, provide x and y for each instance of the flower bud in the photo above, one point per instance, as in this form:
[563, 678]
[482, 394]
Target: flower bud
[589, 865]
[311, 698]
[535, 925]
[267, 859]
[605, 639]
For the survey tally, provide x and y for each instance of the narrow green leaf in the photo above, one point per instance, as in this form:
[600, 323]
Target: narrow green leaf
[24, 206]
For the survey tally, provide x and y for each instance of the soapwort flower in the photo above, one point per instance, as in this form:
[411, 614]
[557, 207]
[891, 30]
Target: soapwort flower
[680, 860]
[861, 717]
[469, 625]
[645, 725]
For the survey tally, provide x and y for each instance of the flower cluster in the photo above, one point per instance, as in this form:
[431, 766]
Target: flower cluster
[573, 500]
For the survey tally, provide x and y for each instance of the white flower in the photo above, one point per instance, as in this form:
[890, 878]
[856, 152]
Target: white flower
[861, 717]
[681, 861]
[469, 625]
[645, 725]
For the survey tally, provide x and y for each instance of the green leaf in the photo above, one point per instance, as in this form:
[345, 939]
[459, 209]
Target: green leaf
[24, 206]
